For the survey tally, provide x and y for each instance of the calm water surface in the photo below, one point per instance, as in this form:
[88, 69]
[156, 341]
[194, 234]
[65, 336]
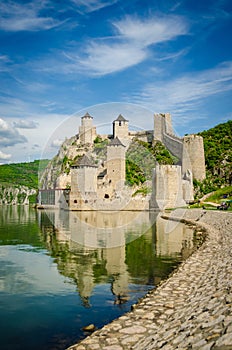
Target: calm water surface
[60, 271]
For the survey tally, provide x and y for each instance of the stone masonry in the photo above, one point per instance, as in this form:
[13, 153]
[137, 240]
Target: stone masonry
[190, 310]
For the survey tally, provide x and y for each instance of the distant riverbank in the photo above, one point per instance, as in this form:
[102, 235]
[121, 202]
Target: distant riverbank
[190, 310]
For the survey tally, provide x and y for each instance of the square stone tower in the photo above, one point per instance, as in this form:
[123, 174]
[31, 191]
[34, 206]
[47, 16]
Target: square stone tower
[120, 128]
[116, 167]
[83, 182]
[87, 131]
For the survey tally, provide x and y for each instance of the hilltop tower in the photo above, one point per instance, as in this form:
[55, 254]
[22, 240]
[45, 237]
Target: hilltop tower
[116, 169]
[162, 125]
[120, 128]
[87, 131]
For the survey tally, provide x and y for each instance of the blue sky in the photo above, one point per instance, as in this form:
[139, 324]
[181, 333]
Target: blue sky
[60, 59]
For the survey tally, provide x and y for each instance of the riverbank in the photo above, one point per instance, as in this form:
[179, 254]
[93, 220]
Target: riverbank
[190, 310]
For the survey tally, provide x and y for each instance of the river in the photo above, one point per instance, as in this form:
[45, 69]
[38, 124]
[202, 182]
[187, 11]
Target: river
[61, 271]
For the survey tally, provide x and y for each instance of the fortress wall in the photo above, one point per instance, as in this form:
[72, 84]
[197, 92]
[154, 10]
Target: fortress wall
[163, 132]
[146, 135]
[174, 145]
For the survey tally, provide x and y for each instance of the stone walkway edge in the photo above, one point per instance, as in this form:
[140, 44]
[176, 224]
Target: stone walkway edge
[192, 309]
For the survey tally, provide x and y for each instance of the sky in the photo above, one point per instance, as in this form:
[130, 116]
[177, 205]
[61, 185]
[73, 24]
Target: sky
[61, 59]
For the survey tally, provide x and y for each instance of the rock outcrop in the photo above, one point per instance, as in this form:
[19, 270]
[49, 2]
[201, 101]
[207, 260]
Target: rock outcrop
[16, 194]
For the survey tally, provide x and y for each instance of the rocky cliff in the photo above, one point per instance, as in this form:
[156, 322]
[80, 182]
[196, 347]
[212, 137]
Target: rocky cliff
[16, 195]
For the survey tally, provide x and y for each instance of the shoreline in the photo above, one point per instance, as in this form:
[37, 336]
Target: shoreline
[192, 309]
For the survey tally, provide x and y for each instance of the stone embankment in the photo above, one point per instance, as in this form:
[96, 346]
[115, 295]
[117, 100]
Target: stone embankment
[190, 310]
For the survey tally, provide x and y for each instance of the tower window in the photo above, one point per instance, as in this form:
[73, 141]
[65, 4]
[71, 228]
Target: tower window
[120, 123]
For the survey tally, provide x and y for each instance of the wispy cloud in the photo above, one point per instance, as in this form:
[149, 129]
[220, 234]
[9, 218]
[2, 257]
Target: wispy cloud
[16, 16]
[9, 136]
[92, 5]
[25, 124]
[148, 31]
[130, 44]
[103, 59]
[186, 93]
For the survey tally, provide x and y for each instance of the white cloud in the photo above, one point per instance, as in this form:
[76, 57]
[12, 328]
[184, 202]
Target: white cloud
[130, 45]
[17, 17]
[104, 59]
[57, 143]
[9, 136]
[145, 32]
[25, 124]
[183, 95]
[4, 156]
[92, 5]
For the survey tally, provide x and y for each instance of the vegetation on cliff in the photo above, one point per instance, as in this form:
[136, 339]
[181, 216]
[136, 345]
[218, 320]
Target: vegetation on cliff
[141, 158]
[23, 174]
[218, 159]
[19, 181]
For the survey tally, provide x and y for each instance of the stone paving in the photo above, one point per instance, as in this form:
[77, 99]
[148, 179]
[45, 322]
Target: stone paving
[190, 310]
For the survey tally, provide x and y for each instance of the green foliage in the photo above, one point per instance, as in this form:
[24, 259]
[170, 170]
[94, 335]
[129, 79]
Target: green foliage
[134, 174]
[24, 174]
[143, 190]
[218, 153]
[219, 195]
[141, 158]
[218, 159]
[100, 143]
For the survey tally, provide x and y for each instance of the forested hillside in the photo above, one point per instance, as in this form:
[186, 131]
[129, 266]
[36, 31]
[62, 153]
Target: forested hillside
[23, 174]
[19, 182]
[218, 158]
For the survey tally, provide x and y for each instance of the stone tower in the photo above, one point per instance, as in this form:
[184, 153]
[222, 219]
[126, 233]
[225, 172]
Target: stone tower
[162, 125]
[87, 131]
[193, 156]
[167, 191]
[120, 128]
[83, 182]
[116, 169]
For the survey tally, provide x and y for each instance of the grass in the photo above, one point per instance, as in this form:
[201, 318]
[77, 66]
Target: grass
[222, 194]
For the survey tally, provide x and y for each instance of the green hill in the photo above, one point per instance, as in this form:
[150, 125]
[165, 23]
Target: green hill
[23, 174]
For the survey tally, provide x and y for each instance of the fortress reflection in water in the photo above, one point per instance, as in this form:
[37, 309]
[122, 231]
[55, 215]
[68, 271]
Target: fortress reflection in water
[122, 249]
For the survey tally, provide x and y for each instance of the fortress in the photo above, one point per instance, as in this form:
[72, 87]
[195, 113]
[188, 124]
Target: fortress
[99, 184]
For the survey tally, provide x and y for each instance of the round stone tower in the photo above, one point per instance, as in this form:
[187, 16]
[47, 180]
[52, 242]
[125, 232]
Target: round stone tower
[193, 156]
